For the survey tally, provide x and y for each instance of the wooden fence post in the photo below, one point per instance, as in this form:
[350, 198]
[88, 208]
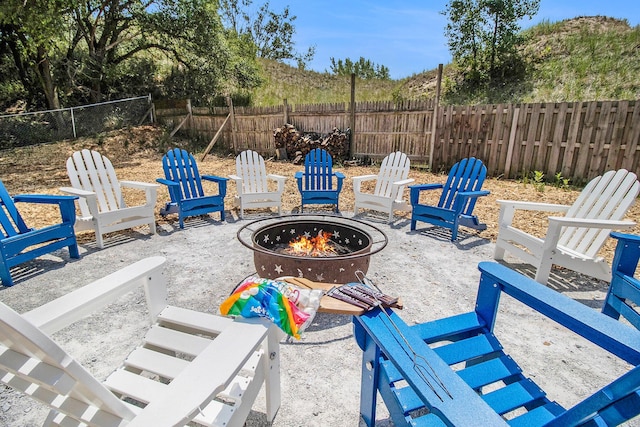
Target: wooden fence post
[188, 116]
[286, 111]
[233, 124]
[434, 122]
[352, 118]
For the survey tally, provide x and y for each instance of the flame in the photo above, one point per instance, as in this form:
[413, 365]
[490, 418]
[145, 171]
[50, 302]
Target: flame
[319, 245]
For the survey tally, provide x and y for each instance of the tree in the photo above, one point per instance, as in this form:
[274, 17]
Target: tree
[271, 32]
[363, 68]
[29, 30]
[89, 46]
[484, 37]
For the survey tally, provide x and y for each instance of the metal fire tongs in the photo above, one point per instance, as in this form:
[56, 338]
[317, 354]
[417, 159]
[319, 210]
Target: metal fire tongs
[421, 365]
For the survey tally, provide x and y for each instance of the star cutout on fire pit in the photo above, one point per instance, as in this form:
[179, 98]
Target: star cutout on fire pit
[307, 234]
[266, 238]
[336, 234]
[319, 277]
[278, 238]
[278, 269]
[293, 231]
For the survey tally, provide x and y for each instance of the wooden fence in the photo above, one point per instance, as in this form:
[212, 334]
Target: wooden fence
[579, 140]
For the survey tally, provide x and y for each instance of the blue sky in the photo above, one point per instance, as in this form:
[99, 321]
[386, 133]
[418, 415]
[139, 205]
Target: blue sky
[407, 36]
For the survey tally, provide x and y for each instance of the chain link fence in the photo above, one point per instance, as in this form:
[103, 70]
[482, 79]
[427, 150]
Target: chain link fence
[54, 125]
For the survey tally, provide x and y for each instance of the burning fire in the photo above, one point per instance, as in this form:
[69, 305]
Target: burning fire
[319, 245]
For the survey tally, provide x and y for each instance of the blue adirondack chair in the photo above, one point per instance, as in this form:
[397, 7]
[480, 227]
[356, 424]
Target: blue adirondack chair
[185, 187]
[623, 296]
[457, 200]
[316, 183]
[17, 240]
[412, 366]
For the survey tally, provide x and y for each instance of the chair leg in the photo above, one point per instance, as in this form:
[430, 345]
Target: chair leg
[5, 276]
[99, 239]
[152, 227]
[73, 250]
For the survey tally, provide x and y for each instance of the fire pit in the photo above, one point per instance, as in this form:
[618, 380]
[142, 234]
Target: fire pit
[320, 248]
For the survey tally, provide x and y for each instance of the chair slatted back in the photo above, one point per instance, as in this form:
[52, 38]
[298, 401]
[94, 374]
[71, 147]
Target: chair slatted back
[180, 166]
[466, 175]
[10, 219]
[605, 197]
[33, 363]
[318, 170]
[251, 168]
[91, 171]
[394, 167]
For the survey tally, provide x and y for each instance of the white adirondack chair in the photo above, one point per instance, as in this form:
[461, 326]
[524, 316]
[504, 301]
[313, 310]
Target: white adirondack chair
[102, 206]
[192, 366]
[387, 196]
[252, 183]
[573, 240]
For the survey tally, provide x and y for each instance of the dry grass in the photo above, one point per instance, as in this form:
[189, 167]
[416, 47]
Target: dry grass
[136, 156]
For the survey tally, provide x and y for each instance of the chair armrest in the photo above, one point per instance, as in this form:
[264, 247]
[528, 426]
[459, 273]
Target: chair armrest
[78, 192]
[43, 198]
[214, 178]
[414, 191]
[221, 181]
[69, 308]
[420, 187]
[66, 204]
[364, 178]
[139, 185]
[358, 180]
[280, 179]
[299, 175]
[404, 181]
[626, 238]
[591, 223]
[339, 175]
[167, 182]
[600, 329]
[477, 193]
[533, 206]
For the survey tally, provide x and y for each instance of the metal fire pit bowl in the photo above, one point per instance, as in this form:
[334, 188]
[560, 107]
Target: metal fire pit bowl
[265, 237]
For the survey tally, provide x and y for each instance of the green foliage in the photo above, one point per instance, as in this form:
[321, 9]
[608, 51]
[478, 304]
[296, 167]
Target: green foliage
[93, 50]
[362, 68]
[305, 86]
[595, 58]
[484, 39]
[560, 181]
[538, 180]
[271, 32]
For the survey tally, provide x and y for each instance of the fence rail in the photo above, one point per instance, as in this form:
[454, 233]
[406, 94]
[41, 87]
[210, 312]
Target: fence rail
[579, 140]
[84, 120]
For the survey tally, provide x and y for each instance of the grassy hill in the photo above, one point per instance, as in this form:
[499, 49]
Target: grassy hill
[580, 59]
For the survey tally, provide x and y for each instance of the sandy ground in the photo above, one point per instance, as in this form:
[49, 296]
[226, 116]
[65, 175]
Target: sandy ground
[320, 374]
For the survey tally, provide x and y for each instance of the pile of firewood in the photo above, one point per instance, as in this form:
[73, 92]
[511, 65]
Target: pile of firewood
[294, 145]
